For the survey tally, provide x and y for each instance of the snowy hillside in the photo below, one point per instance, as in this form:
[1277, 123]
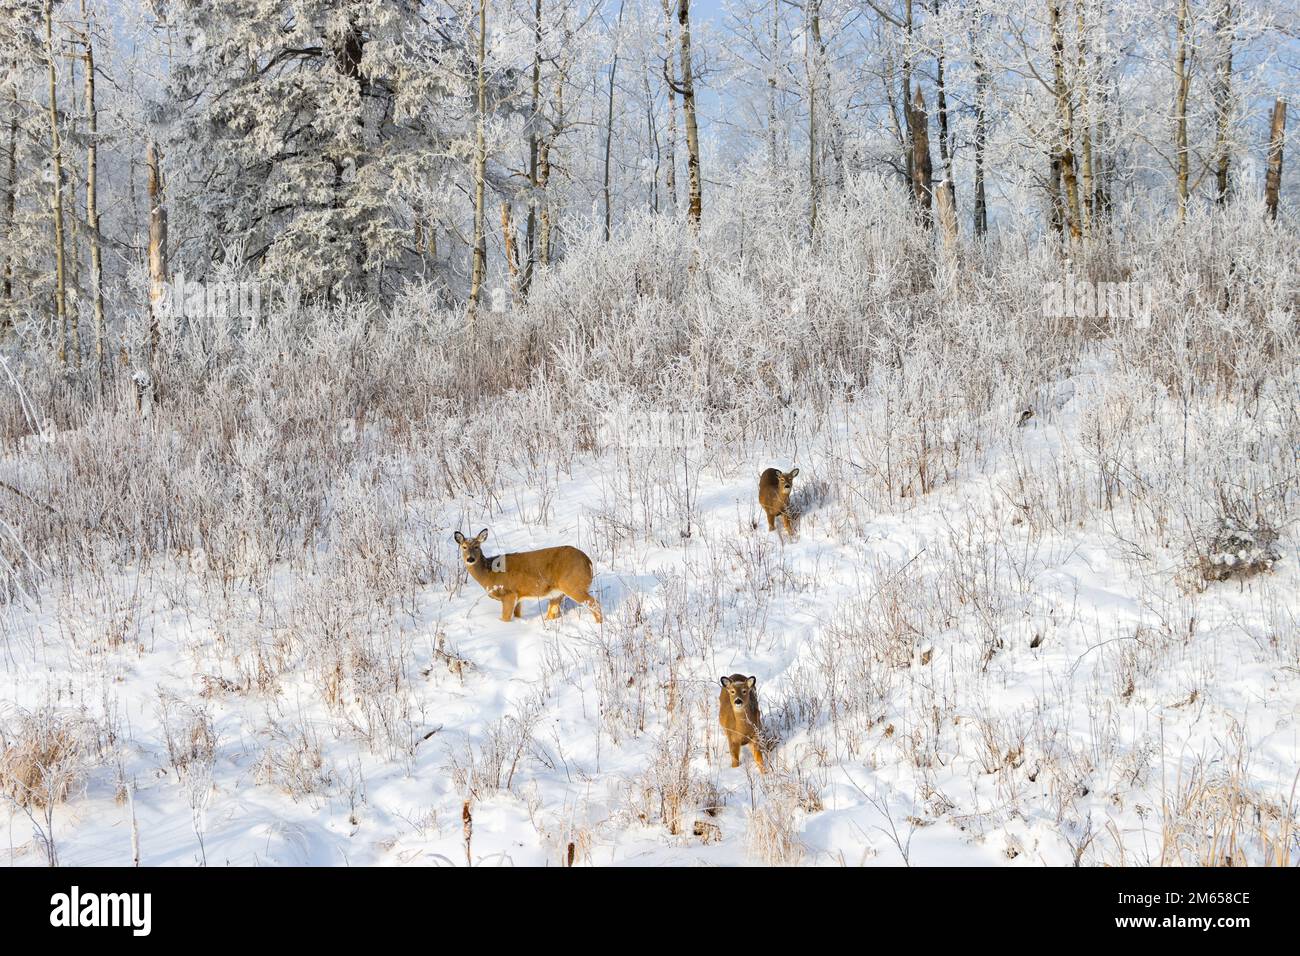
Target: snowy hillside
[994, 648]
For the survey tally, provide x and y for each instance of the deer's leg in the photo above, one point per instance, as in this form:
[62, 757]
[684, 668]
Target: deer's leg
[553, 608]
[771, 522]
[734, 744]
[789, 528]
[758, 754]
[509, 601]
[586, 600]
[519, 608]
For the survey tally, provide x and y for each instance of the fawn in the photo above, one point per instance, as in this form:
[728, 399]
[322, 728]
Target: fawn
[738, 714]
[774, 495]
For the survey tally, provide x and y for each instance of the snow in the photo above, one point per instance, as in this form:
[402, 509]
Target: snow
[961, 678]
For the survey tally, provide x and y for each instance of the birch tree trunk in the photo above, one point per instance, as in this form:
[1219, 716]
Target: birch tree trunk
[696, 206]
[670, 181]
[909, 148]
[1085, 123]
[1065, 117]
[1223, 27]
[981, 224]
[92, 198]
[945, 140]
[56, 160]
[652, 136]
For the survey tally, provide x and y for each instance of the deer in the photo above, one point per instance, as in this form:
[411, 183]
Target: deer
[548, 573]
[774, 495]
[738, 714]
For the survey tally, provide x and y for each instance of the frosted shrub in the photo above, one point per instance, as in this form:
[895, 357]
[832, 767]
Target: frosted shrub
[1239, 549]
[46, 755]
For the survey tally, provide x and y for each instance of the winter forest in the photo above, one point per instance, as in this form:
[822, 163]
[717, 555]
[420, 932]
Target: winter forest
[300, 296]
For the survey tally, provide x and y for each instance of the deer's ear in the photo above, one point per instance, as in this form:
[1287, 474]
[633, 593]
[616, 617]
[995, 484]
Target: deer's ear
[726, 682]
[751, 681]
[793, 474]
[482, 536]
[459, 537]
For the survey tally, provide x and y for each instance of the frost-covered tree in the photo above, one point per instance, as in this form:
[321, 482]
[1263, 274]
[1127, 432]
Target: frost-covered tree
[311, 136]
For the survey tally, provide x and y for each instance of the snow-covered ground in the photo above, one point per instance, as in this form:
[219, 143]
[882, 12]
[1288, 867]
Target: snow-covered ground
[1005, 659]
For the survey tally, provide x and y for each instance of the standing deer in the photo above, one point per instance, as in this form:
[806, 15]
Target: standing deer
[738, 714]
[774, 495]
[549, 573]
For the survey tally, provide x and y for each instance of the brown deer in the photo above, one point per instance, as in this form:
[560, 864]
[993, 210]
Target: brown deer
[738, 714]
[548, 573]
[774, 495]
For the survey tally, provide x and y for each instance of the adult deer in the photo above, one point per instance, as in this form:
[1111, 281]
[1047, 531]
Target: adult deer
[549, 573]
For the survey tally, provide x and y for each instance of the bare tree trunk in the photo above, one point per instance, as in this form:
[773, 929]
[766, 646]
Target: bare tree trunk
[670, 181]
[946, 214]
[773, 158]
[11, 184]
[609, 121]
[1223, 28]
[56, 160]
[814, 174]
[1055, 206]
[981, 135]
[157, 256]
[652, 137]
[835, 132]
[544, 231]
[696, 206]
[1103, 180]
[1065, 116]
[1182, 86]
[508, 241]
[544, 175]
[534, 118]
[1273, 179]
[92, 206]
[909, 148]
[72, 221]
[945, 139]
[922, 170]
[348, 54]
[478, 271]
[1085, 124]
